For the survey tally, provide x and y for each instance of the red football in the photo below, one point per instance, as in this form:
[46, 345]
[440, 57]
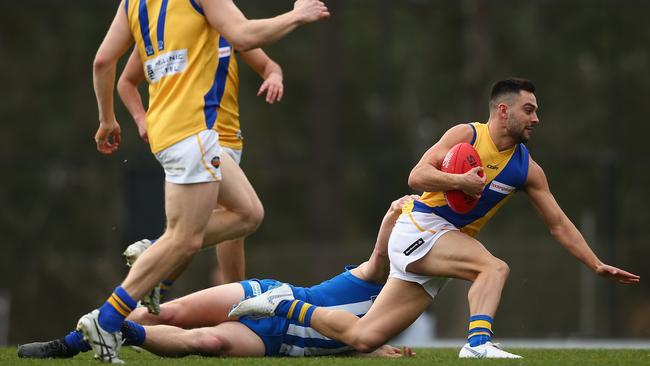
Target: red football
[460, 159]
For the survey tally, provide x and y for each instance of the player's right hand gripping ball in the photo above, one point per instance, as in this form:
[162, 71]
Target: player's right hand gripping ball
[459, 160]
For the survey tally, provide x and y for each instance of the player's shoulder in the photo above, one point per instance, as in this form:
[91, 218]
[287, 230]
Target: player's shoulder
[462, 132]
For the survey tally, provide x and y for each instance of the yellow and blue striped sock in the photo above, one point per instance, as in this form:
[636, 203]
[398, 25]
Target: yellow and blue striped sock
[165, 287]
[480, 330]
[118, 306]
[296, 310]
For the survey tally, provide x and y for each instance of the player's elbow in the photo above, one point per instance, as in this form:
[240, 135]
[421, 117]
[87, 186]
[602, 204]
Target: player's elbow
[415, 180]
[242, 39]
[244, 43]
[123, 87]
[367, 344]
[102, 63]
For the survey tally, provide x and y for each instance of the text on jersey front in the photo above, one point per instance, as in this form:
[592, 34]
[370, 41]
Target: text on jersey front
[166, 64]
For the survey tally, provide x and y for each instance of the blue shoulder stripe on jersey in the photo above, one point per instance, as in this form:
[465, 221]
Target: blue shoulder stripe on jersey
[126, 7]
[525, 160]
[513, 174]
[421, 207]
[161, 25]
[213, 97]
[474, 136]
[196, 7]
[143, 17]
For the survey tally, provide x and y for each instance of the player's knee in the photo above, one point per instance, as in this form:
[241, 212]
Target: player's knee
[171, 314]
[500, 268]
[251, 215]
[187, 246]
[206, 342]
[257, 213]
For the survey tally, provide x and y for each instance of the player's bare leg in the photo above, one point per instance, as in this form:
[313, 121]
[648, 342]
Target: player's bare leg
[240, 211]
[226, 339]
[188, 208]
[231, 262]
[398, 305]
[204, 308]
[458, 255]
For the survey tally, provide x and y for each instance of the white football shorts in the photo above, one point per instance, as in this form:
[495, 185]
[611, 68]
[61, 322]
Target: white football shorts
[235, 154]
[195, 159]
[412, 238]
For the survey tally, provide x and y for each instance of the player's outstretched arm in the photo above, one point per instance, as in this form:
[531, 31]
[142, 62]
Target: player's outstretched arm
[427, 177]
[563, 230]
[376, 269]
[270, 72]
[117, 41]
[127, 88]
[245, 34]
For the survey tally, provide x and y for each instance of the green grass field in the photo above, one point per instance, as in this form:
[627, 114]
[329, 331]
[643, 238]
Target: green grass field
[429, 356]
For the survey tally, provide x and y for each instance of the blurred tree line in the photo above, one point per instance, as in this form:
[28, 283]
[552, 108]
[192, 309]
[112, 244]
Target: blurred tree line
[367, 92]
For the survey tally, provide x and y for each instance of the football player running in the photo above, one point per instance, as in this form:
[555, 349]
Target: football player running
[431, 243]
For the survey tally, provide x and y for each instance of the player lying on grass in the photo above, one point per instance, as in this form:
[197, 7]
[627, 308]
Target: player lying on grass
[198, 323]
[431, 243]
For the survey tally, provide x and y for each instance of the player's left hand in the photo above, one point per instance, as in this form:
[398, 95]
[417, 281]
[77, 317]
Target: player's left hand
[617, 274]
[273, 88]
[398, 204]
[390, 351]
[108, 137]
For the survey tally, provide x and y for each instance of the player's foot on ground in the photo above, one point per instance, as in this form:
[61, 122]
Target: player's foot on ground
[152, 299]
[264, 304]
[487, 350]
[52, 349]
[106, 345]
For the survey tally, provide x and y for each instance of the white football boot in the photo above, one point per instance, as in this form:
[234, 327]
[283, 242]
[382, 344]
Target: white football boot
[106, 345]
[486, 350]
[152, 299]
[263, 305]
[134, 250]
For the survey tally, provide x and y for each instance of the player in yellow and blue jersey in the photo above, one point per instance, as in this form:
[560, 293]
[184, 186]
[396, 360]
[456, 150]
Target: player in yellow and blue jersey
[230, 254]
[198, 323]
[430, 243]
[176, 43]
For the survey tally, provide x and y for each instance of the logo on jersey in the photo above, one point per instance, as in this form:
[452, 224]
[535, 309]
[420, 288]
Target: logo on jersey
[216, 162]
[490, 166]
[255, 286]
[413, 247]
[501, 187]
[224, 52]
[166, 64]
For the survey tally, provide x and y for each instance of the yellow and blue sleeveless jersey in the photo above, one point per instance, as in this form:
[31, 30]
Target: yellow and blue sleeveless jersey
[187, 66]
[506, 172]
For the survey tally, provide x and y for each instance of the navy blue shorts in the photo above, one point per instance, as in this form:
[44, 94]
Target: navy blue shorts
[271, 330]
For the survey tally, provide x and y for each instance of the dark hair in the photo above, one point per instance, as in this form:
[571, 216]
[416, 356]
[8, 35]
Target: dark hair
[510, 86]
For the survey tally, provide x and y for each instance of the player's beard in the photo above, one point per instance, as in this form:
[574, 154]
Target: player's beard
[517, 129]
